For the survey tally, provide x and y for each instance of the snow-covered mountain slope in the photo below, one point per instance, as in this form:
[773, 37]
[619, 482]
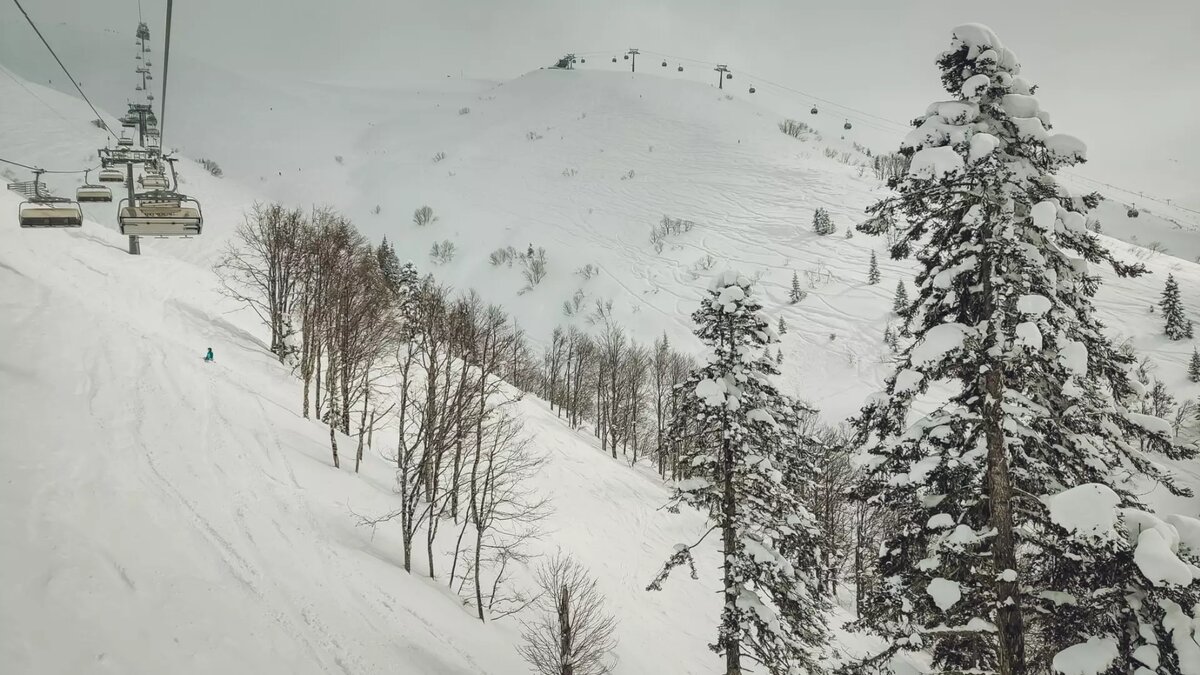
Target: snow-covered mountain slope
[170, 515]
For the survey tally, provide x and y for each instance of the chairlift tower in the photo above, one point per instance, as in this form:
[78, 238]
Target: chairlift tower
[721, 70]
[632, 53]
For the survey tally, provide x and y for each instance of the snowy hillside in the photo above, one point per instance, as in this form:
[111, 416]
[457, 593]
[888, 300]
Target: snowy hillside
[176, 516]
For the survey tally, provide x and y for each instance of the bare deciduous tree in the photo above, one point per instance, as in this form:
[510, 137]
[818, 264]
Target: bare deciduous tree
[571, 632]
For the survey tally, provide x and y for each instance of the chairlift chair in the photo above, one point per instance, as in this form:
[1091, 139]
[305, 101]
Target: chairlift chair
[124, 142]
[92, 193]
[129, 122]
[160, 214]
[44, 211]
[47, 214]
[154, 182]
[1132, 212]
[614, 59]
[112, 176]
[626, 57]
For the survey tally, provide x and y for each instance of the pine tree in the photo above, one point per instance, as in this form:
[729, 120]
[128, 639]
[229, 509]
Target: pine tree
[389, 265]
[778, 356]
[1177, 325]
[822, 223]
[741, 451]
[796, 294]
[1194, 367]
[990, 569]
[873, 270]
[900, 302]
[889, 338]
[782, 330]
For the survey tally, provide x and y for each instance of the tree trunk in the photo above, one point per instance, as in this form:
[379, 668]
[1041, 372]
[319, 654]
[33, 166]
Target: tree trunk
[566, 632]
[1009, 621]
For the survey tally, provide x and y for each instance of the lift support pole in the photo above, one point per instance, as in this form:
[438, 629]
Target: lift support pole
[135, 247]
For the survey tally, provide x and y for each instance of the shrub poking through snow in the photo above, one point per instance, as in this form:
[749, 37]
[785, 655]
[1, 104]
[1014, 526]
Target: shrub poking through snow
[795, 129]
[442, 252]
[668, 227]
[1017, 490]
[211, 167]
[439, 157]
[424, 216]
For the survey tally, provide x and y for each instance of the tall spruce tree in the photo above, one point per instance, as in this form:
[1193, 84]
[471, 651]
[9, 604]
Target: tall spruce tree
[991, 569]
[1194, 367]
[822, 223]
[873, 270]
[743, 461]
[1177, 325]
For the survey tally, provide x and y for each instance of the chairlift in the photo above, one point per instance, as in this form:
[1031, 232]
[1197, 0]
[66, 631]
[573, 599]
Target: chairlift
[664, 64]
[125, 142]
[129, 122]
[1132, 212]
[847, 126]
[138, 88]
[626, 57]
[680, 69]
[813, 111]
[154, 182]
[92, 193]
[614, 59]
[112, 176]
[44, 211]
[160, 214]
[752, 90]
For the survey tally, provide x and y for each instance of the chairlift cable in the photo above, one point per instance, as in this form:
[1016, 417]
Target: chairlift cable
[64, 67]
[34, 168]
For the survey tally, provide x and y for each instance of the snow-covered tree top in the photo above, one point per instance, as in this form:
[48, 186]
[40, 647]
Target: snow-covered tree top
[983, 45]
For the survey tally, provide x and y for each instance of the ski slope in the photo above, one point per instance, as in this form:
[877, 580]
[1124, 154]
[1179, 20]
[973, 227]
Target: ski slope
[166, 515]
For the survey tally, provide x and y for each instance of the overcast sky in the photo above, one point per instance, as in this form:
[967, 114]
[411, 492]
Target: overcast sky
[1122, 75]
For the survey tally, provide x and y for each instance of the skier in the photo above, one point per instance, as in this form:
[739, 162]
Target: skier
[209, 355]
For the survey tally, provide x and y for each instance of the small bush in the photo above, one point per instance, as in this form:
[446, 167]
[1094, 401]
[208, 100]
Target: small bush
[668, 226]
[831, 153]
[795, 129]
[424, 216]
[571, 307]
[339, 159]
[211, 167]
[442, 252]
[588, 271]
[464, 111]
[439, 157]
[570, 173]
[533, 136]
[535, 268]
[627, 176]
[503, 256]
[377, 209]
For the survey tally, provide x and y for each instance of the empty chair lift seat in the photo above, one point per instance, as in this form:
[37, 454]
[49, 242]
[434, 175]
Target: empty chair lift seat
[93, 193]
[154, 182]
[160, 219]
[112, 176]
[56, 214]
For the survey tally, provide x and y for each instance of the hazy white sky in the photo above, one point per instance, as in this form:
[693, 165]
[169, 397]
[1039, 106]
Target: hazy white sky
[1122, 75]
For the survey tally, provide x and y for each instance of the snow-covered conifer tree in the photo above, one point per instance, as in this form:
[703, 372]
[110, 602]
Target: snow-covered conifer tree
[740, 452]
[1022, 545]
[822, 223]
[796, 294]
[900, 301]
[1177, 325]
[873, 270]
[1194, 367]
[782, 326]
